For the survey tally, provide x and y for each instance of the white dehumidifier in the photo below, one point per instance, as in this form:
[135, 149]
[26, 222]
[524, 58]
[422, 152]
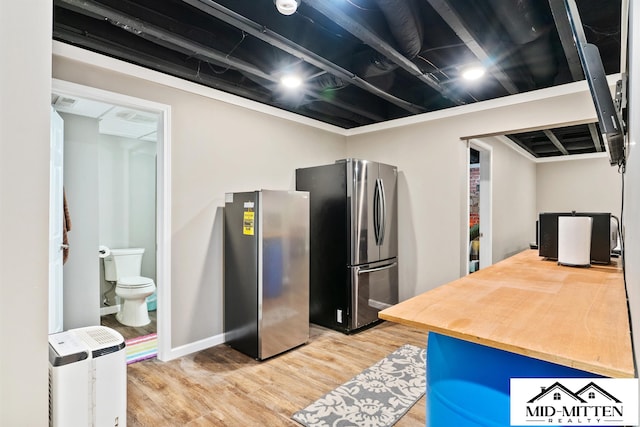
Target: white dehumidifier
[87, 378]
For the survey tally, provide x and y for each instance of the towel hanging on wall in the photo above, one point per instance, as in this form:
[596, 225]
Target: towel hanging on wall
[66, 226]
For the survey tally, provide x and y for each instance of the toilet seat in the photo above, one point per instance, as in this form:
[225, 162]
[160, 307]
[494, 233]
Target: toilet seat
[133, 282]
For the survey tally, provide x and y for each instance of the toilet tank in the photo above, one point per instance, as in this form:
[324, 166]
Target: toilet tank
[123, 263]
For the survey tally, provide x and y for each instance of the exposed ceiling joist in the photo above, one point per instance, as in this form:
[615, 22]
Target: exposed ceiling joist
[265, 34]
[94, 43]
[163, 37]
[196, 50]
[555, 141]
[453, 19]
[360, 61]
[358, 30]
[522, 145]
[595, 137]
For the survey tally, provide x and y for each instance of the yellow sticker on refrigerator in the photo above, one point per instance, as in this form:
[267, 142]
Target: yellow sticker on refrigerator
[248, 223]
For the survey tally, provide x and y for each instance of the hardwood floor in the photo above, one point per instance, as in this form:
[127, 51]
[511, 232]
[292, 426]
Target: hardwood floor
[128, 332]
[223, 387]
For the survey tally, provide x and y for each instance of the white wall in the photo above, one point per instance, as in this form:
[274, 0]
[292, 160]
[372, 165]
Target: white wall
[513, 211]
[579, 185]
[142, 202]
[216, 148]
[113, 169]
[25, 95]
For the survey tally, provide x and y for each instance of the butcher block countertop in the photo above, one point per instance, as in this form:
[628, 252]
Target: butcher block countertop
[528, 305]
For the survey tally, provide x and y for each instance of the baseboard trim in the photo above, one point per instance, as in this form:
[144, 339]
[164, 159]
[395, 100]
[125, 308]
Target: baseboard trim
[109, 309]
[193, 347]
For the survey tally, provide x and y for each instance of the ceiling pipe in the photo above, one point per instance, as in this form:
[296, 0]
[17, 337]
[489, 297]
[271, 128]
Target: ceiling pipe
[406, 30]
[98, 44]
[527, 30]
[404, 22]
[162, 37]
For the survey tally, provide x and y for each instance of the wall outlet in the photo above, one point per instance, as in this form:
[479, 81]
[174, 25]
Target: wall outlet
[339, 316]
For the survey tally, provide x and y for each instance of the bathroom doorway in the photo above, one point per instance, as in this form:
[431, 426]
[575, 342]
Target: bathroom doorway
[117, 187]
[474, 210]
[479, 173]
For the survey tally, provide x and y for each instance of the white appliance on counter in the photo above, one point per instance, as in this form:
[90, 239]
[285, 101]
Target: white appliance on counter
[574, 240]
[87, 378]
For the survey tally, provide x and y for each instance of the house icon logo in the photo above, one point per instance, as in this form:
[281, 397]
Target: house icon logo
[573, 401]
[587, 394]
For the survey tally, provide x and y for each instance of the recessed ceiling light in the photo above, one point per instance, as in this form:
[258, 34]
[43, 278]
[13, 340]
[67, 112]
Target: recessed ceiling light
[291, 81]
[473, 72]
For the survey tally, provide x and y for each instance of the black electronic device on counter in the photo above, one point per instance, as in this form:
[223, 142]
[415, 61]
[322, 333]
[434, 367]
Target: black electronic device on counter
[600, 235]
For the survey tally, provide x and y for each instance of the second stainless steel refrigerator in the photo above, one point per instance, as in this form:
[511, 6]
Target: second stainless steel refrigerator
[353, 242]
[266, 271]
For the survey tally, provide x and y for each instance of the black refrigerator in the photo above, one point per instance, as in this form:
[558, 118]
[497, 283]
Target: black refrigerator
[353, 241]
[266, 271]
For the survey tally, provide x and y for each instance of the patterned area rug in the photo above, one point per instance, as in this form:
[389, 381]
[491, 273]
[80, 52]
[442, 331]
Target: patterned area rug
[141, 348]
[377, 397]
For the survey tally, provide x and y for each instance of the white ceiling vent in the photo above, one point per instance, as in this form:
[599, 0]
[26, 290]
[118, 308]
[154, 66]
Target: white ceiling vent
[135, 117]
[112, 120]
[79, 106]
[65, 102]
[126, 122]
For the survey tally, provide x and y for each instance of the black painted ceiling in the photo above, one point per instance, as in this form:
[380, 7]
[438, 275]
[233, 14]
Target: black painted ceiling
[363, 61]
[568, 140]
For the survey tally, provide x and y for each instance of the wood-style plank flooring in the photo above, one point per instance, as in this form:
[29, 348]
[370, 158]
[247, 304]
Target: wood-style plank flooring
[128, 332]
[223, 387]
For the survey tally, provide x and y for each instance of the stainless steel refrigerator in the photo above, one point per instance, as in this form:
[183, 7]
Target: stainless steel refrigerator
[354, 241]
[266, 271]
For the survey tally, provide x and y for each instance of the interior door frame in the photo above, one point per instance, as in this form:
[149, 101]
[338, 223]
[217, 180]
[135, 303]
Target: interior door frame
[163, 195]
[486, 201]
[56, 219]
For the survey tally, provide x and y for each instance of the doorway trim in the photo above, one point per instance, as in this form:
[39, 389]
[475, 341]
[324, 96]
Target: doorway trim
[163, 196]
[486, 201]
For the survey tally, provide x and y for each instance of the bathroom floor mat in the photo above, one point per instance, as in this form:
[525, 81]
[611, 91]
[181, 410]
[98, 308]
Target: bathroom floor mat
[141, 348]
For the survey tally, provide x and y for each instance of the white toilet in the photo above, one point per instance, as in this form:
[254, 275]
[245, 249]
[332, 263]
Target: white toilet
[123, 267]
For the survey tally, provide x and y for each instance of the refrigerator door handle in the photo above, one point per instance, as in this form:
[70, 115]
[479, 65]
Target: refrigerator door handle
[371, 270]
[379, 211]
[383, 221]
[376, 211]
